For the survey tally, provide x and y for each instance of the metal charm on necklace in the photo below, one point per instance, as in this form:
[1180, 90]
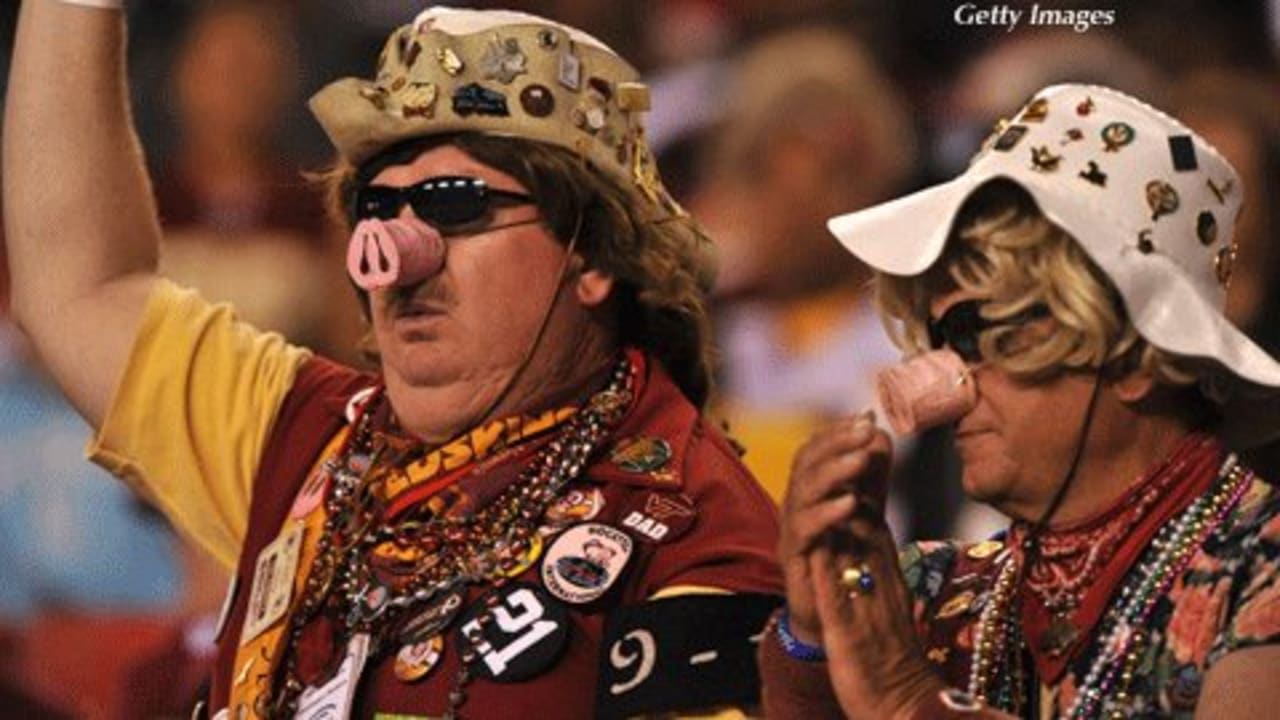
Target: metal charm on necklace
[1060, 636]
[433, 619]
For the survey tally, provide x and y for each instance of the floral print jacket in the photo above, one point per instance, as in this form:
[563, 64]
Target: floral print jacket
[1228, 598]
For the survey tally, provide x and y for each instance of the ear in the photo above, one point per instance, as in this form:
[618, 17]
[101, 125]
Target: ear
[593, 287]
[1134, 386]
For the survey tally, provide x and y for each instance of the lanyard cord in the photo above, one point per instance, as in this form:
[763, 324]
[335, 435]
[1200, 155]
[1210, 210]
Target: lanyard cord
[1032, 543]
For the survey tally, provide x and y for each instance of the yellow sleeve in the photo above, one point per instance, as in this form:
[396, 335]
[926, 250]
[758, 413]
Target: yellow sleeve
[192, 413]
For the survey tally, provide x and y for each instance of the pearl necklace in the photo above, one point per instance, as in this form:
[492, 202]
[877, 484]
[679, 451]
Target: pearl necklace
[1112, 668]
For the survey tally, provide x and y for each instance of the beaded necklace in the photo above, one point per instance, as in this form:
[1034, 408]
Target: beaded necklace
[483, 548]
[1122, 636]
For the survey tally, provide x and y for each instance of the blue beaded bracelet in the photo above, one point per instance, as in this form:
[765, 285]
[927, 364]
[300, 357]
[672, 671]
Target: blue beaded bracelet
[793, 646]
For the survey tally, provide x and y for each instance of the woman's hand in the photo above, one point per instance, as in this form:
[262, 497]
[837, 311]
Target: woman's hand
[818, 500]
[833, 521]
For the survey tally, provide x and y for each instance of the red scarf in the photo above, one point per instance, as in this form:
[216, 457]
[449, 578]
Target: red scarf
[1097, 553]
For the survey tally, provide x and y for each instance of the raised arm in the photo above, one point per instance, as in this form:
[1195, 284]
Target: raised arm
[80, 222]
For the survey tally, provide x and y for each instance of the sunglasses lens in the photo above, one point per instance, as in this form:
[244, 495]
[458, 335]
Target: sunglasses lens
[450, 203]
[958, 329]
[375, 202]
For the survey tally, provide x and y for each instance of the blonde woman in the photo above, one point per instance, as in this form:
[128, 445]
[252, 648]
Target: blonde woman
[1061, 303]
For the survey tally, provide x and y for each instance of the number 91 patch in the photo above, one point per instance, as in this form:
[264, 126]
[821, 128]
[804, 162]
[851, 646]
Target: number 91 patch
[513, 633]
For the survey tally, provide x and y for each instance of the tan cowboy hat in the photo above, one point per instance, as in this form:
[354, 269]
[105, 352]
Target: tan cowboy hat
[501, 73]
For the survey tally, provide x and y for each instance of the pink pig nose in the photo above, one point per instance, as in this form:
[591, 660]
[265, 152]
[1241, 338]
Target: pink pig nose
[926, 391]
[387, 253]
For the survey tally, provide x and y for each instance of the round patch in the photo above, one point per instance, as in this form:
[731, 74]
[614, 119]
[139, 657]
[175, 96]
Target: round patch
[575, 506]
[548, 40]
[585, 562]
[432, 619]
[513, 633]
[312, 493]
[641, 454]
[1116, 135]
[537, 100]
[415, 660]
[659, 517]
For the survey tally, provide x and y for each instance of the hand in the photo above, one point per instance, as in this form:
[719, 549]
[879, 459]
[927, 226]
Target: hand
[820, 499]
[874, 658]
[877, 667]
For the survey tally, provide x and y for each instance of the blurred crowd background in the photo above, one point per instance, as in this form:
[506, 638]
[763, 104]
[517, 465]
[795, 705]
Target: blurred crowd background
[769, 118]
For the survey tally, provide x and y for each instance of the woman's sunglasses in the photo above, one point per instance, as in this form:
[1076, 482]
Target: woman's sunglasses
[449, 203]
[962, 324]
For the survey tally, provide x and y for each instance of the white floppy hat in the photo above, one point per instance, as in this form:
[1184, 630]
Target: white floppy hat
[1150, 202]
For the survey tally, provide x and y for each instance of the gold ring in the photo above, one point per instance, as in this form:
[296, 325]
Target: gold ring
[857, 580]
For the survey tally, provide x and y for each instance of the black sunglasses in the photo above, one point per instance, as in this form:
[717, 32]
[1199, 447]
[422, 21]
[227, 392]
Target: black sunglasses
[962, 324]
[450, 203]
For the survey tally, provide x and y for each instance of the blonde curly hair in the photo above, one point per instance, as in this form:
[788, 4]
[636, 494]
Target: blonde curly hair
[662, 270]
[1003, 249]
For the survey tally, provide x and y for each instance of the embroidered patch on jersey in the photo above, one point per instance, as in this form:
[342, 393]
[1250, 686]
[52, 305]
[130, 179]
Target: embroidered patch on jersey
[641, 454]
[659, 517]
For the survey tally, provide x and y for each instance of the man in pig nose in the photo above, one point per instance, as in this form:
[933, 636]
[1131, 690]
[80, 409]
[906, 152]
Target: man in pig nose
[403, 540]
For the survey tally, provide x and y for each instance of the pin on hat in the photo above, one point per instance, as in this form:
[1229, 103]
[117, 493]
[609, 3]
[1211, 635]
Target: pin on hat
[1150, 202]
[503, 73]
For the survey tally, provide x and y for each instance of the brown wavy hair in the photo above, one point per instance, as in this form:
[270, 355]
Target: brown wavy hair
[662, 269]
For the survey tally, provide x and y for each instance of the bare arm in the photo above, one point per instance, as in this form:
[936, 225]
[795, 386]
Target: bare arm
[80, 222]
[1242, 685]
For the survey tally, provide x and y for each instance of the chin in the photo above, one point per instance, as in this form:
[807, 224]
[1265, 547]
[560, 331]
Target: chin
[987, 479]
[421, 365]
